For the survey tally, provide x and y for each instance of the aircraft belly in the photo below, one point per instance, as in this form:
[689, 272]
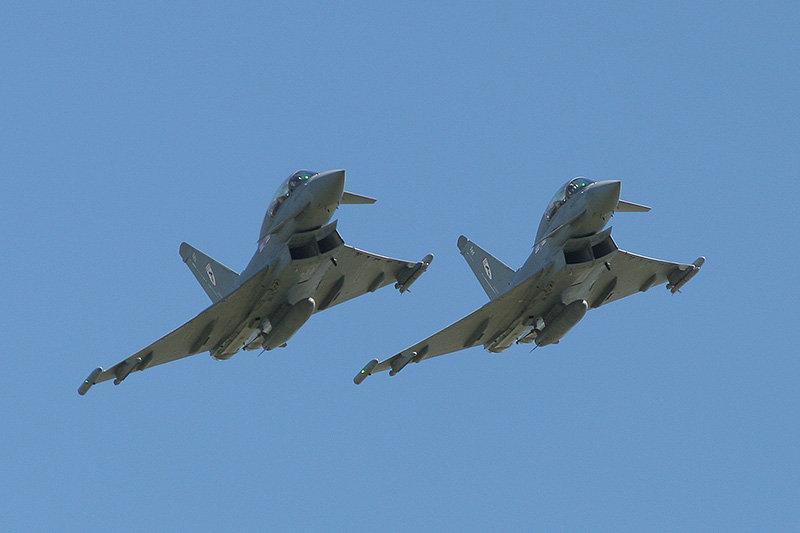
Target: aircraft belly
[306, 277]
[266, 294]
[583, 278]
[294, 280]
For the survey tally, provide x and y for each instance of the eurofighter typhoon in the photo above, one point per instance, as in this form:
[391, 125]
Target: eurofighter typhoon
[301, 266]
[575, 266]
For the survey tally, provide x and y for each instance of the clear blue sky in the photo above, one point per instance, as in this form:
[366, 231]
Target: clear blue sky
[126, 128]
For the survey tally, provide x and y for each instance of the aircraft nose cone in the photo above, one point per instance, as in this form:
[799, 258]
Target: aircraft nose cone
[606, 195]
[327, 187]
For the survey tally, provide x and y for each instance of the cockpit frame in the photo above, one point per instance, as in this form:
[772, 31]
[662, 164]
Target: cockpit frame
[565, 193]
[285, 190]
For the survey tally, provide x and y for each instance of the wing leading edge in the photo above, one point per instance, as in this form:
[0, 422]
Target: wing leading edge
[501, 319]
[207, 331]
[631, 273]
[358, 272]
[484, 326]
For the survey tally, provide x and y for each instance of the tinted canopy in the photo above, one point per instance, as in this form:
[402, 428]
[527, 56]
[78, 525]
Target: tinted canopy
[287, 187]
[564, 194]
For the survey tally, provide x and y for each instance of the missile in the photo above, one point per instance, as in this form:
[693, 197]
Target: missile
[255, 339]
[401, 362]
[410, 274]
[559, 325]
[690, 273]
[507, 337]
[88, 382]
[366, 371]
[125, 368]
[290, 323]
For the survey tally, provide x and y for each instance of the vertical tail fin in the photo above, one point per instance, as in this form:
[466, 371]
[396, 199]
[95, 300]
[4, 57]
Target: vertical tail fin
[216, 279]
[494, 275]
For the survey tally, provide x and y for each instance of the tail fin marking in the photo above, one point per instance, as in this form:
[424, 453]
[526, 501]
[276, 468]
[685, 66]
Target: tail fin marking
[216, 279]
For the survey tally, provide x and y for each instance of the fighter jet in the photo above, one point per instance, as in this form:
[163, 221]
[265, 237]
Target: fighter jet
[575, 266]
[301, 266]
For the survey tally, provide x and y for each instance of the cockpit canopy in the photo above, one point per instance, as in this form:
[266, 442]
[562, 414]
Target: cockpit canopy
[564, 194]
[287, 187]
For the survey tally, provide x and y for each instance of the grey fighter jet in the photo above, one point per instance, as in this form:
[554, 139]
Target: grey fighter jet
[575, 266]
[301, 266]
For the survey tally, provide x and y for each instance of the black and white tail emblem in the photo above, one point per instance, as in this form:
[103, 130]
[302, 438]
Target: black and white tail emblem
[487, 268]
[210, 273]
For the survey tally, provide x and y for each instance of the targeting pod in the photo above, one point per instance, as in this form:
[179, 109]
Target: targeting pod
[411, 273]
[366, 371]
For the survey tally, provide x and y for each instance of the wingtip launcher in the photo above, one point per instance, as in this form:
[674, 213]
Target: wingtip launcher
[689, 273]
[366, 371]
[91, 380]
[411, 273]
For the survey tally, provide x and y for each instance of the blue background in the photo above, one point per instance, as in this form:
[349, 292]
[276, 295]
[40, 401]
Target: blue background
[128, 128]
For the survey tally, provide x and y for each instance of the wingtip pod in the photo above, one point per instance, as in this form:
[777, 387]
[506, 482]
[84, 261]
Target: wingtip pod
[366, 371]
[88, 382]
[409, 275]
[690, 273]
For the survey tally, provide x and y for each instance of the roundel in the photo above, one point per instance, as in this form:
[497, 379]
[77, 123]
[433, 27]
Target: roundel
[210, 274]
[487, 268]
